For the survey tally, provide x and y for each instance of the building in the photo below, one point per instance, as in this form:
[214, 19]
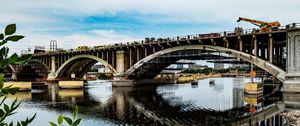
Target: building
[218, 66]
[25, 52]
[100, 68]
[39, 49]
[197, 66]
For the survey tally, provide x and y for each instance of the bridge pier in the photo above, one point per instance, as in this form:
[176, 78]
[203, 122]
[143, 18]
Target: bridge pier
[51, 75]
[120, 65]
[14, 76]
[292, 79]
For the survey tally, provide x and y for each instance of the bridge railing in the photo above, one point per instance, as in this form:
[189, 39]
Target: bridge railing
[293, 26]
[191, 37]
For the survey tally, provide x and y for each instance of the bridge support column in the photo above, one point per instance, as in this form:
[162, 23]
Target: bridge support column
[120, 65]
[52, 75]
[292, 79]
[241, 46]
[254, 42]
[271, 48]
[130, 57]
[120, 62]
[14, 76]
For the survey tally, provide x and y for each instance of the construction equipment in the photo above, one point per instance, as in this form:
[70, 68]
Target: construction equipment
[265, 26]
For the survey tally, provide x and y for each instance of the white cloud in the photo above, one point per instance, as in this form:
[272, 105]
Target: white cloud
[188, 10]
[39, 17]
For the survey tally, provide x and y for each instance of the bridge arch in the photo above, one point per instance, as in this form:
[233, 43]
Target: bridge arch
[265, 65]
[39, 62]
[32, 70]
[79, 60]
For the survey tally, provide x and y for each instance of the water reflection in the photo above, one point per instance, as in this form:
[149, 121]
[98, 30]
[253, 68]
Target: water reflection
[222, 103]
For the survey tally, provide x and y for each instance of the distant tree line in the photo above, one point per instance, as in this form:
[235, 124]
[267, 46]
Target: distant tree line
[211, 70]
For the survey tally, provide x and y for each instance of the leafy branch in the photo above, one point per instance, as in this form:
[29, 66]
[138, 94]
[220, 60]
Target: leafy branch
[8, 110]
[72, 122]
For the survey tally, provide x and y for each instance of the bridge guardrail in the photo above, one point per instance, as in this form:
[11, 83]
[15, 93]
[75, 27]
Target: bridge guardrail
[292, 26]
[191, 37]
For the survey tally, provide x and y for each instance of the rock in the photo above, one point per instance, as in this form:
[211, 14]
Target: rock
[292, 117]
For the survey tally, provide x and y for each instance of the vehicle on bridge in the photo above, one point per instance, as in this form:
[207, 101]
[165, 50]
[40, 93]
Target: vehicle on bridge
[82, 48]
[210, 35]
[61, 50]
[99, 47]
[265, 26]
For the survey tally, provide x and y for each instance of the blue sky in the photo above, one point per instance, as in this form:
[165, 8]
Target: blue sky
[95, 22]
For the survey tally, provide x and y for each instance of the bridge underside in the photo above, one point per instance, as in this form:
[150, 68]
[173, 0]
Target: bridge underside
[152, 65]
[152, 68]
[77, 67]
[33, 70]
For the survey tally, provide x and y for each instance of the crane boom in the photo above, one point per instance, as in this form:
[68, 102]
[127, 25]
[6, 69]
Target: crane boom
[263, 25]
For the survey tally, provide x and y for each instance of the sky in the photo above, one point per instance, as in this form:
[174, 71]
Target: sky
[74, 23]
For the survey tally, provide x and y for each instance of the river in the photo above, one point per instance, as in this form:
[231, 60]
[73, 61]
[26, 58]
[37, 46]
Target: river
[100, 104]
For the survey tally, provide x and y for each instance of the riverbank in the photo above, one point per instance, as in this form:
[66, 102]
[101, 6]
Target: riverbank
[190, 77]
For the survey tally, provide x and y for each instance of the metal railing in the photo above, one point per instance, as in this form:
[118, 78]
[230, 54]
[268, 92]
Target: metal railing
[191, 37]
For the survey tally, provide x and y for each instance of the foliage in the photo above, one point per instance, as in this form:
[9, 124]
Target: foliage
[5, 61]
[72, 122]
[201, 71]
[210, 70]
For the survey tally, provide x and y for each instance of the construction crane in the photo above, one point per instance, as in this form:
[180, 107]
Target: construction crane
[265, 26]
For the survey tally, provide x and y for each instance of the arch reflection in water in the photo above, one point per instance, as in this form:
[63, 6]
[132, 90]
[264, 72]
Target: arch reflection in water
[158, 105]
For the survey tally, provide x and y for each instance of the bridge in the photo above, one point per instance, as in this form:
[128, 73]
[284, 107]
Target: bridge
[276, 51]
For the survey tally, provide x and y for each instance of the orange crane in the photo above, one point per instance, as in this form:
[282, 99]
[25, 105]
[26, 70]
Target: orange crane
[265, 26]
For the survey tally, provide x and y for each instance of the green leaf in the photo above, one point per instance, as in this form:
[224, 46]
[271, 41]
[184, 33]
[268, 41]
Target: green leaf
[68, 120]
[13, 108]
[2, 101]
[13, 90]
[14, 38]
[77, 122]
[76, 112]
[13, 58]
[23, 59]
[3, 42]
[1, 80]
[32, 118]
[24, 123]
[10, 29]
[14, 103]
[6, 108]
[53, 124]
[2, 112]
[8, 90]
[1, 36]
[4, 63]
[60, 119]
[3, 51]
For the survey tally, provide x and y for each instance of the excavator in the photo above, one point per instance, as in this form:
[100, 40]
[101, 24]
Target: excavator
[265, 26]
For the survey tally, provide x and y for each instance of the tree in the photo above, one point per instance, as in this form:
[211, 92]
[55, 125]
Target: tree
[5, 61]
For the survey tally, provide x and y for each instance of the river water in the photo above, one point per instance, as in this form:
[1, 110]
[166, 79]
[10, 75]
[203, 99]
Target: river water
[100, 104]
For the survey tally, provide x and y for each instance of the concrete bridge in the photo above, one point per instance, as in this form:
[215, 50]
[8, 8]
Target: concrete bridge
[276, 52]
